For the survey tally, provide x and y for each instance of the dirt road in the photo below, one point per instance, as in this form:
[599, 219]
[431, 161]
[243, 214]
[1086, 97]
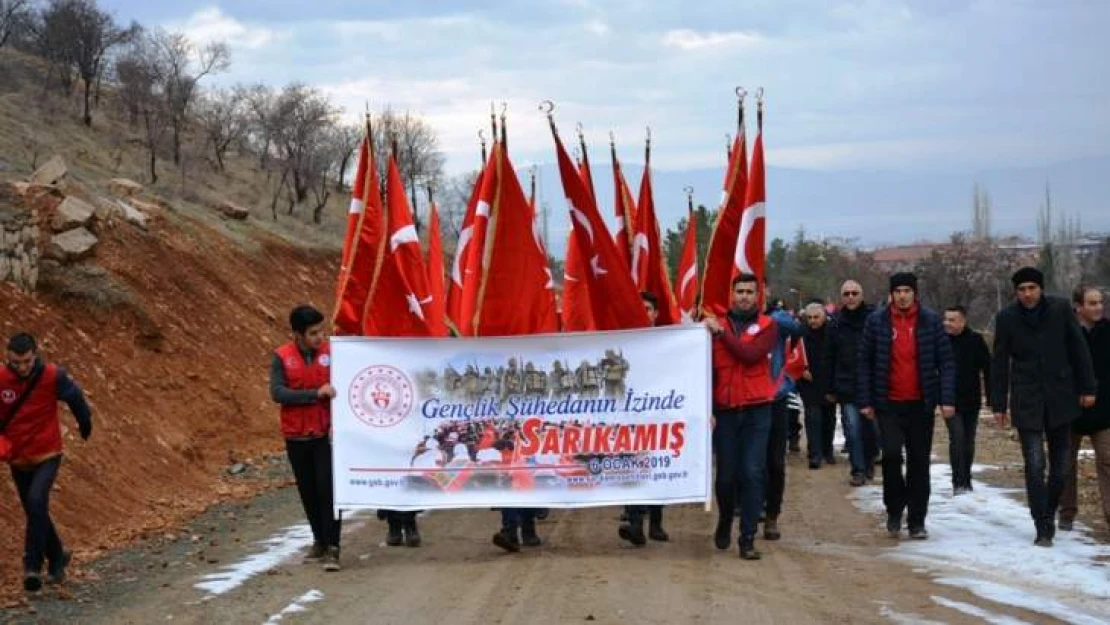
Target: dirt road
[830, 567]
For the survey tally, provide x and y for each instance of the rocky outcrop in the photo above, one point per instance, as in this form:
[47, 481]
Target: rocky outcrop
[19, 251]
[51, 173]
[72, 213]
[232, 210]
[72, 245]
[124, 187]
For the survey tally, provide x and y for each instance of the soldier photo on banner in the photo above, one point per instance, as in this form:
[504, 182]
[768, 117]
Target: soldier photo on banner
[614, 371]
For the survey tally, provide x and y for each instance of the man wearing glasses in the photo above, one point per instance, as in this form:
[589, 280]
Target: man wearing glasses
[839, 372]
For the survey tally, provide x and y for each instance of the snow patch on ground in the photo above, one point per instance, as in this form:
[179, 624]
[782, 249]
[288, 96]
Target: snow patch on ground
[983, 542]
[298, 605]
[276, 549]
[977, 612]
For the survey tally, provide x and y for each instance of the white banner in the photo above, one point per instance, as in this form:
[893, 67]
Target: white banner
[563, 421]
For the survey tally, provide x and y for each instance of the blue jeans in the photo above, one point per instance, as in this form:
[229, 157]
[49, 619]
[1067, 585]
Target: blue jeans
[863, 439]
[740, 441]
[1044, 495]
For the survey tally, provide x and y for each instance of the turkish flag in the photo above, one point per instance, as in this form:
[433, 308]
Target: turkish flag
[512, 291]
[473, 257]
[751, 251]
[576, 314]
[687, 291]
[716, 291]
[363, 247]
[625, 209]
[402, 303]
[797, 360]
[436, 273]
[458, 265]
[615, 302]
[648, 263]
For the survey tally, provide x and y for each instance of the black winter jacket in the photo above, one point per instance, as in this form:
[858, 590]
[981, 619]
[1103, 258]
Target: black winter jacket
[843, 332]
[1098, 418]
[935, 365]
[973, 369]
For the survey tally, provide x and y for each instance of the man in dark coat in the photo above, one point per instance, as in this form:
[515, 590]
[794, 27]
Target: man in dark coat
[905, 371]
[1094, 423]
[1041, 371]
[820, 413]
[973, 375]
[839, 374]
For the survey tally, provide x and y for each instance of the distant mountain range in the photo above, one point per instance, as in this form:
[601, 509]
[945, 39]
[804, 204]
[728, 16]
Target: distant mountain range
[876, 208]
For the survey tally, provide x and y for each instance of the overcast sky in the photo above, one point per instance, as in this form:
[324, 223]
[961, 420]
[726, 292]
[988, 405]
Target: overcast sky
[908, 85]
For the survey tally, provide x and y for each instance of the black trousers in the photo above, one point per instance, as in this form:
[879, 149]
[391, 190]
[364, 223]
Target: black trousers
[961, 445]
[909, 425]
[636, 515]
[311, 461]
[40, 538]
[1044, 496]
[776, 457]
[820, 429]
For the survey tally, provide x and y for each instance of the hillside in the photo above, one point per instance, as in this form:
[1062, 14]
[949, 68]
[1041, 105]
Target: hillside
[167, 327]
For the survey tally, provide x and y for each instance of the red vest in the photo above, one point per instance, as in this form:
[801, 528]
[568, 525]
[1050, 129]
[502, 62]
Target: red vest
[306, 420]
[35, 432]
[736, 385]
[905, 380]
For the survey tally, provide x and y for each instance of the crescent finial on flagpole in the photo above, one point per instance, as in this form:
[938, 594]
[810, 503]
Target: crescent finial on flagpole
[547, 107]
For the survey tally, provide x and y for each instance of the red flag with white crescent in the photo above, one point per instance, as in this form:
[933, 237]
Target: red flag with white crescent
[687, 290]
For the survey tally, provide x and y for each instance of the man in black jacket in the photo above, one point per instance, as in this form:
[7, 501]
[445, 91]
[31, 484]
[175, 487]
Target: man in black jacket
[905, 371]
[973, 375]
[839, 379]
[1041, 370]
[820, 413]
[1094, 422]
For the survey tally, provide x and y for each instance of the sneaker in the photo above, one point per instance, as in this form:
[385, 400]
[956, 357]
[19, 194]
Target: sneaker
[56, 571]
[331, 560]
[32, 581]
[771, 529]
[315, 552]
[858, 480]
[919, 533]
[507, 540]
[894, 525]
[747, 549]
[658, 534]
[870, 474]
[530, 538]
[633, 533]
[722, 538]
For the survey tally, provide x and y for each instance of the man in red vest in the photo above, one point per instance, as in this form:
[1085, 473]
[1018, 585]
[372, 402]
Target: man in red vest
[743, 390]
[300, 381]
[31, 442]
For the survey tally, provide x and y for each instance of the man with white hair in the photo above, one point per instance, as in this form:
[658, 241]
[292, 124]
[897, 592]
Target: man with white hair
[820, 414]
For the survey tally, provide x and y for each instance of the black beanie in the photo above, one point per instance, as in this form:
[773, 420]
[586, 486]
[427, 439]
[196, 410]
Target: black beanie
[903, 278]
[1028, 274]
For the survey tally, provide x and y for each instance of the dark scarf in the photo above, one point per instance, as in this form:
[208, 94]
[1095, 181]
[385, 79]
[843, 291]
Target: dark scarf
[1033, 316]
[739, 319]
[855, 318]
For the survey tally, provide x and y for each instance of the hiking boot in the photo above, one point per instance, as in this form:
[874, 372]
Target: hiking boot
[722, 537]
[1042, 541]
[528, 536]
[56, 571]
[395, 537]
[858, 480]
[315, 552]
[814, 464]
[747, 549]
[658, 534]
[633, 531]
[32, 581]
[331, 560]
[771, 529]
[870, 474]
[894, 525]
[507, 540]
[412, 535]
[919, 533]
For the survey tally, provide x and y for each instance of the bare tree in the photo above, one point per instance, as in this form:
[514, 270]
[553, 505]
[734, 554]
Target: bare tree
[13, 14]
[347, 141]
[301, 118]
[981, 214]
[185, 67]
[966, 272]
[223, 118]
[261, 101]
[141, 75]
[418, 157]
